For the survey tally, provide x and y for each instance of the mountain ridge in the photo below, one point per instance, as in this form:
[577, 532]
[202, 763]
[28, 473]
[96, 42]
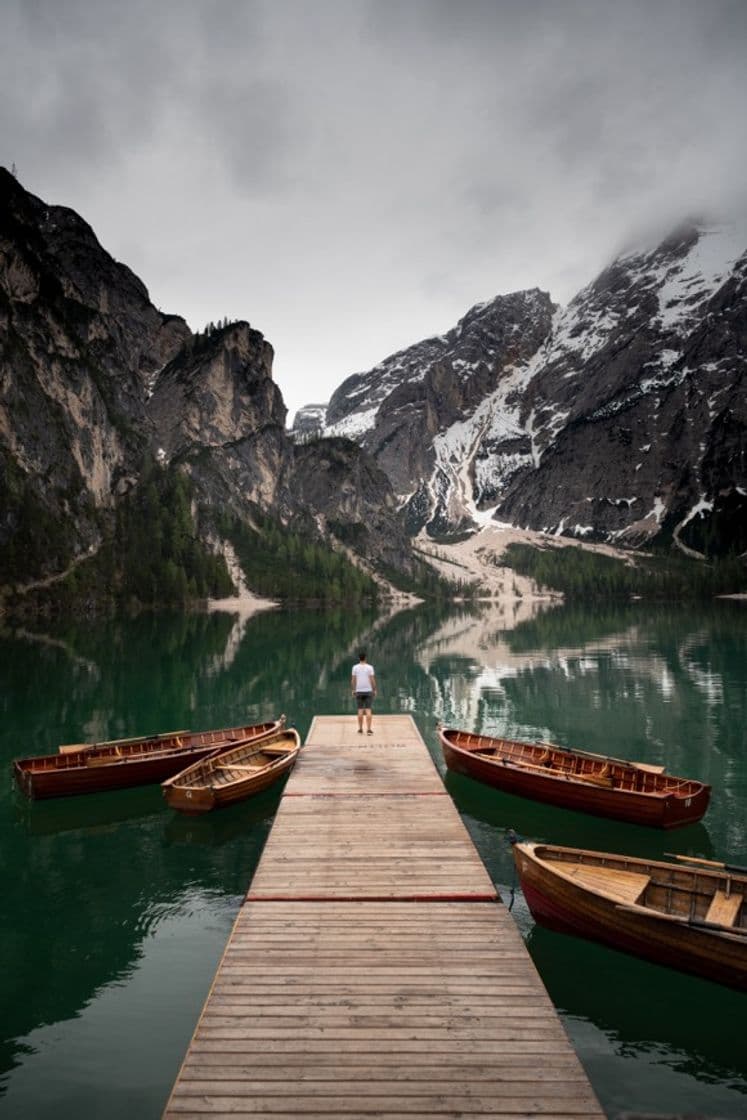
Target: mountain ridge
[647, 360]
[126, 438]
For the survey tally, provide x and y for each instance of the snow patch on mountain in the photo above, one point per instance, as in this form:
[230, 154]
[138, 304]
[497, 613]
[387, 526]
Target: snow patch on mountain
[355, 424]
[579, 332]
[690, 281]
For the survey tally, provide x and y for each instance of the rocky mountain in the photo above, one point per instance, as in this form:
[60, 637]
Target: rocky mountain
[402, 408]
[309, 420]
[622, 417]
[637, 413]
[96, 383]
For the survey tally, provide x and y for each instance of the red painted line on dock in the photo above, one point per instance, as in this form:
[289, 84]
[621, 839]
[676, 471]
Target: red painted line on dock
[466, 897]
[374, 793]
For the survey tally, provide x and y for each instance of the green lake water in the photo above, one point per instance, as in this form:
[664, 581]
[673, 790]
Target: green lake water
[115, 910]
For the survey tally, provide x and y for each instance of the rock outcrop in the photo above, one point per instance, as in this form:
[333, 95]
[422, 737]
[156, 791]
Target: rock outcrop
[215, 409]
[309, 421]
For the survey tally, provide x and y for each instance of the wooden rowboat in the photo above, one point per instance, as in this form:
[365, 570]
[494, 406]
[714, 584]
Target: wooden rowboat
[590, 783]
[233, 775]
[691, 915]
[123, 763]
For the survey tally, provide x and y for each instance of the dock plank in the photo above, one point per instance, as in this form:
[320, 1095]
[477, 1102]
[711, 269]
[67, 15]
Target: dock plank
[373, 970]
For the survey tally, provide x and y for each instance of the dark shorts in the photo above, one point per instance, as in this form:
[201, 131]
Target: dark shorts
[364, 699]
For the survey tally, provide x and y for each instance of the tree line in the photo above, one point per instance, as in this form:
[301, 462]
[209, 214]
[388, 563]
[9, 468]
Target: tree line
[286, 564]
[580, 573]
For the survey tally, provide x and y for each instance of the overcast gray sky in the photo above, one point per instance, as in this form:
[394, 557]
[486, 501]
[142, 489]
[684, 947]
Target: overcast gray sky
[352, 175]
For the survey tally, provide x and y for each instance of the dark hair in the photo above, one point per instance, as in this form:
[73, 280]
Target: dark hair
[361, 655]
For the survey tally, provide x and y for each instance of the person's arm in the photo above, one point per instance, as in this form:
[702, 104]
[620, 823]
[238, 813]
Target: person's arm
[352, 683]
[373, 683]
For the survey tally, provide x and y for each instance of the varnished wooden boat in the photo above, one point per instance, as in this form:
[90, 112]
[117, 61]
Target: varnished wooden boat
[589, 783]
[233, 775]
[124, 763]
[691, 915]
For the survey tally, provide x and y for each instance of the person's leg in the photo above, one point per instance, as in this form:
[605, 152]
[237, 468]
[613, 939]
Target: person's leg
[369, 717]
[360, 715]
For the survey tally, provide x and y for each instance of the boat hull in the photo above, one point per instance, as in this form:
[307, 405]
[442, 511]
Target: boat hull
[567, 908]
[96, 770]
[661, 811]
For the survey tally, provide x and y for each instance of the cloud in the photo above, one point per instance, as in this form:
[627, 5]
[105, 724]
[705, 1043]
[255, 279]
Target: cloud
[353, 176]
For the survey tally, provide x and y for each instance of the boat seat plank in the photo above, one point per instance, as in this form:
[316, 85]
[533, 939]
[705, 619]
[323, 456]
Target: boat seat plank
[240, 766]
[624, 886]
[103, 760]
[724, 908]
[600, 779]
[526, 765]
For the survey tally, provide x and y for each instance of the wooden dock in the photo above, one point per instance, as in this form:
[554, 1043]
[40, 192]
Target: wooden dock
[372, 970]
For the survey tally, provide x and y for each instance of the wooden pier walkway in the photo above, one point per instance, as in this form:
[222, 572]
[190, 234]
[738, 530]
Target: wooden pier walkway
[372, 970]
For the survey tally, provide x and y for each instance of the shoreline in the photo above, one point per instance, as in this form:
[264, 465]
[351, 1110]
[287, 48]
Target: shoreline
[244, 605]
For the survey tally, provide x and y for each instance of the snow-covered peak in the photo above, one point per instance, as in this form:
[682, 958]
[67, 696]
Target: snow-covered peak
[658, 289]
[704, 268]
[488, 330]
[688, 267]
[611, 417]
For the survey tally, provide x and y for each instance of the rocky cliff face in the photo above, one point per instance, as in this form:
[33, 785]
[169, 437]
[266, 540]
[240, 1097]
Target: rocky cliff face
[216, 409]
[621, 417]
[353, 501]
[94, 381]
[401, 410]
[79, 339]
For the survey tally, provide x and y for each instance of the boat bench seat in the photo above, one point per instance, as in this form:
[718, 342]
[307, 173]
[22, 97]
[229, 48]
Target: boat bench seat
[724, 908]
[103, 760]
[602, 778]
[239, 766]
[623, 886]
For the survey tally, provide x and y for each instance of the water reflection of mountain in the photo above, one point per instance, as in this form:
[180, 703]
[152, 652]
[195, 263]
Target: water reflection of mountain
[128, 677]
[83, 899]
[693, 1025]
[153, 673]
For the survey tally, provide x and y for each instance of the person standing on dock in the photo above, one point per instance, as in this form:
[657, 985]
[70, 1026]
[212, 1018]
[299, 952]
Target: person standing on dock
[363, 688]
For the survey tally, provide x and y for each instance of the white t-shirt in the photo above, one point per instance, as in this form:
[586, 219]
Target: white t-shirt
[364, 674]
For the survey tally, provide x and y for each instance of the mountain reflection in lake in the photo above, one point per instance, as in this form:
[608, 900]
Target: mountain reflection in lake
[117, 910]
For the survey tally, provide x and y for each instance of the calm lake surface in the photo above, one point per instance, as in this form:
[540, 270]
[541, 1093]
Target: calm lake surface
[115, 910]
